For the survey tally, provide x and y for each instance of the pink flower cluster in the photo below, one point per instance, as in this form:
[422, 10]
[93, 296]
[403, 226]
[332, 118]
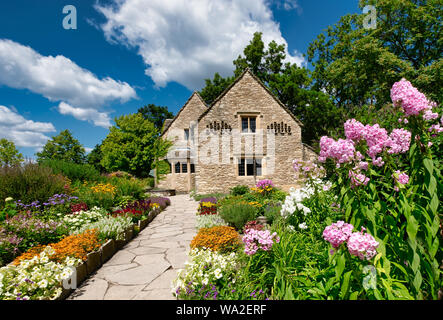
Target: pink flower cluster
[401, 178]
[359, 244]
[357, 179]
[409, 98]
[377, 139]
[264, 183]
[255, 240]
[341, 150]
[362, 245]
[399, 141]
[337, 233]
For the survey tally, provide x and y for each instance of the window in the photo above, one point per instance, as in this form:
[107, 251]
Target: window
[187, 134]
[177, 167]
[249, 167]
[248, 124]
[184, 167]
[192, 168]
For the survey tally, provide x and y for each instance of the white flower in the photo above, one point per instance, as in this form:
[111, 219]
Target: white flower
[303, 226]
[43, 284]
[8, 199]
[218, 274]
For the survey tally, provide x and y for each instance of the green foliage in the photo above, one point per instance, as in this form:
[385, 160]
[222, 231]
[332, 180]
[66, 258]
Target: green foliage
[63, 147]
[130, 145]
[237, 214]
[94, 158]
[213, 88]
[125, 190]
[218, 196]
[239, 190]
[9, 154]
[30, 182]
[289, 83]
[156, 114]
[356, 65]
[73, 171]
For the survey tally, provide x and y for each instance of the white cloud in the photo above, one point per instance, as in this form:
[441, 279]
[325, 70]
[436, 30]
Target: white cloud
[288, 4]
[189, 40]
[24, 133]
[58, 78]
[100, 119]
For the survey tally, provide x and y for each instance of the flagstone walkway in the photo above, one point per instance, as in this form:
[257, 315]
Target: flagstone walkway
[146, 266]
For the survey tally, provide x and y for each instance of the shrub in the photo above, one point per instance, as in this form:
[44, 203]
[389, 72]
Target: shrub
[237, 214]
[74, 171]
[30, 182]
[217, 196]
[9, 246]
[162, 202]
[209, 221]
[219, 238]
[239, 190]
[34, 231]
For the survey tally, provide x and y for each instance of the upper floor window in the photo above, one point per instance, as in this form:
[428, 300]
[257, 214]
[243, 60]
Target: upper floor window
[187, 134]
[248, 124]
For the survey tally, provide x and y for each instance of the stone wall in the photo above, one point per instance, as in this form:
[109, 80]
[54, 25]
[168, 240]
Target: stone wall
[247, 97]
[186, 117]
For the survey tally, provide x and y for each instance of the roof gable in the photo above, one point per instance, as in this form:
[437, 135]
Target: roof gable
[195, 95]
[247, 71]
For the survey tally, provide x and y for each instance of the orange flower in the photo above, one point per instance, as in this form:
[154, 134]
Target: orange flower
[218, 238]
[76, 245]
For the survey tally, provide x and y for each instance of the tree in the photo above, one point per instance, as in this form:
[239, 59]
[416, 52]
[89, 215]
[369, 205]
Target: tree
[63, 147]
[156, 114]
[94, 158]
[9, 154]
[357, 65]
[288, 82]
[132, 145]
[215, 87]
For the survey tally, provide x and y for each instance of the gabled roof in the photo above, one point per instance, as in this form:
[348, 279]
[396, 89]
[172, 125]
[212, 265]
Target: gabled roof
[168, 125]
[264, 87]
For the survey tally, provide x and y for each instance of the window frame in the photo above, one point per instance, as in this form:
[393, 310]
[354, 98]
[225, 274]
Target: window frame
[248, 118]
[242, 166]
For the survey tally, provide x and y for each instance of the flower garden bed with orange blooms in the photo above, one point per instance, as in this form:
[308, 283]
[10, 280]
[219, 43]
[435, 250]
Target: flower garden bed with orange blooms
[76, 246]
[218, 238]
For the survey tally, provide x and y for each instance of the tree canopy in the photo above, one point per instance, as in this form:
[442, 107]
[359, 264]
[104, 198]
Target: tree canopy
[63, 147]
[132, 145]
[357, 65]
[9, 154]
[156, 114]
[288, 82]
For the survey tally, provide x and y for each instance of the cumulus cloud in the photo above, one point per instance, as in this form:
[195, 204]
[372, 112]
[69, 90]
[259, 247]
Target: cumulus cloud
[58, 78]
[100, 119]
[24, 133]
[187, 41]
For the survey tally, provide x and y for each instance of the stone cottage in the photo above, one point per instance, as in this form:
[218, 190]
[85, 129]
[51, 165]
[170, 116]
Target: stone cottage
[244, 136]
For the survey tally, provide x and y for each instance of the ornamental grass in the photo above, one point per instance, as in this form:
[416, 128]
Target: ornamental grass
[75, 246]
[218, 238]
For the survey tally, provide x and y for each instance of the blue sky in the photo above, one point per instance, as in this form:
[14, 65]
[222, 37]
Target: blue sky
[125, 54]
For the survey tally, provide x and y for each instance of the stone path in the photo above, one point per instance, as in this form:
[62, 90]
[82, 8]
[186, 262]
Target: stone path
[146, 266]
